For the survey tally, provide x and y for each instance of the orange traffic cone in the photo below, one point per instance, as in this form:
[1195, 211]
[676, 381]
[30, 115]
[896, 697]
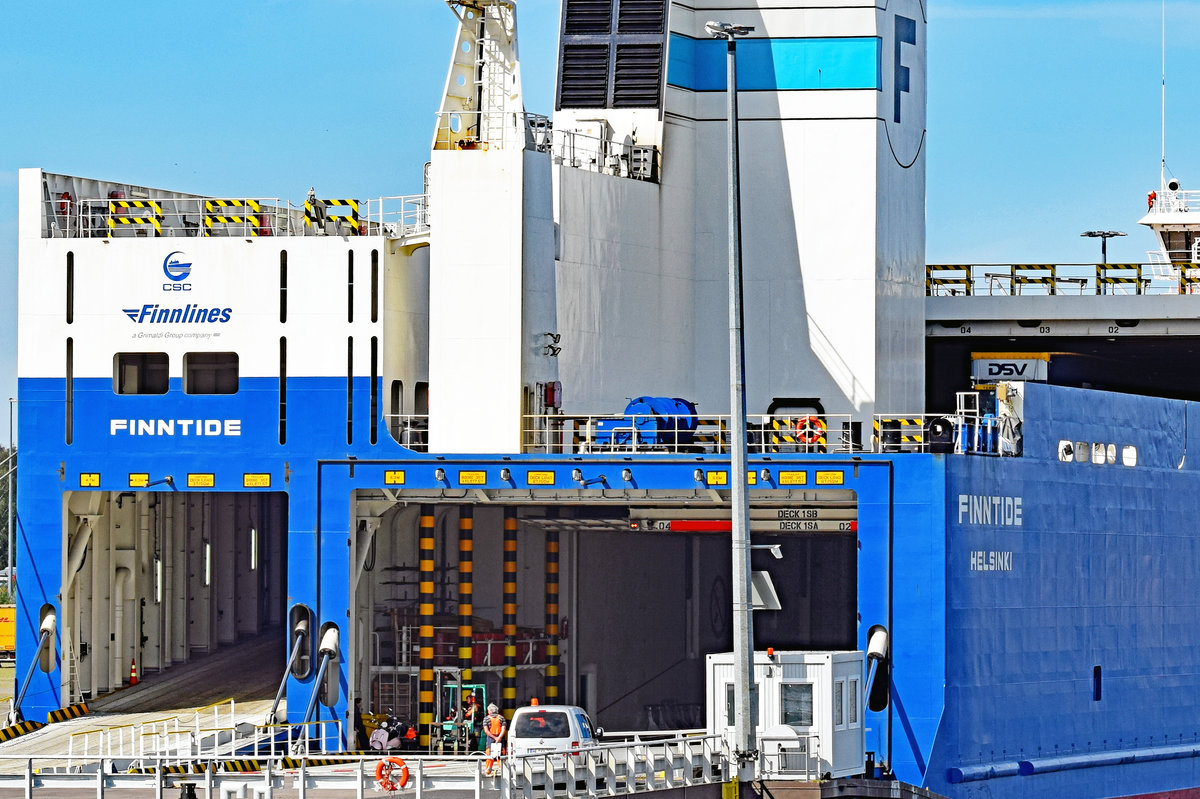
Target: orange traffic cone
[133, 672]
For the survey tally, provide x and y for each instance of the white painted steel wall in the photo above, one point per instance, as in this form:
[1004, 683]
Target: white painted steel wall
[832, 232]
[490, 295]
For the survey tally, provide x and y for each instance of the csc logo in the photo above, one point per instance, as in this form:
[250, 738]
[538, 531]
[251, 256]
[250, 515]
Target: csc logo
[177, 272]
[1006, 369]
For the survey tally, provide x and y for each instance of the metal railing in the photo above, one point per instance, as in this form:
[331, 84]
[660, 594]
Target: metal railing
[498, 130]
[1159, 276]
[398, 217]
[182, 735]
[617, 769]
[1175, 202]
[208, 217]
[791, 757]
[605, 770]
[574, 434]
[581, 434]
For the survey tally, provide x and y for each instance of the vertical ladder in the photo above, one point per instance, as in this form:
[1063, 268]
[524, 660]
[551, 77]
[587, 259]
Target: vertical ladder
[491, 76]
[74, 694]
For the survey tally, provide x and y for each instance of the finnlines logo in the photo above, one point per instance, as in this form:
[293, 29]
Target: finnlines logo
[189, 314]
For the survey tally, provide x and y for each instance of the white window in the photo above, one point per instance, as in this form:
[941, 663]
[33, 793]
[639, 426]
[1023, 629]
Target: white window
[796, 704]
[1129, 455]
[839, 704]
[852, 695]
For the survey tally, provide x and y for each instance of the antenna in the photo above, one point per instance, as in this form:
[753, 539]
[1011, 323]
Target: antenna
[1162, 171]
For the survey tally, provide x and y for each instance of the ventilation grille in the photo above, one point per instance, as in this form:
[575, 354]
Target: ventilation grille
[642, 16]
[637, 76]
[588, 17]
[584, 79]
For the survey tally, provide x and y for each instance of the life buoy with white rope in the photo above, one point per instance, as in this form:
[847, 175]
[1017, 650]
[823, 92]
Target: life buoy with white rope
[810, 429]
[385, 774]
[65, 202]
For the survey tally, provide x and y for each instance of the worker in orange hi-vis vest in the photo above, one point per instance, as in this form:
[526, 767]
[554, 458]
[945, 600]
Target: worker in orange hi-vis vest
[494, 728]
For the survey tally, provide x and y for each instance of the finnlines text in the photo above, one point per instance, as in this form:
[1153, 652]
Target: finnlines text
[981, 509]
[172, 427]
[189, 314]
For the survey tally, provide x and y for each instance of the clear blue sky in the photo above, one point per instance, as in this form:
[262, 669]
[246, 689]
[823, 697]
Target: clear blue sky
[1043, 116]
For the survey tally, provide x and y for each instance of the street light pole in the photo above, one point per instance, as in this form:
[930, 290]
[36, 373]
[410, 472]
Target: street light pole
[1104, 236]
[745, 749]
[11, 464]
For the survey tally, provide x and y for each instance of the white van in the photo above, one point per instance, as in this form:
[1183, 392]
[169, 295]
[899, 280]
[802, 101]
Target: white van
[541, 729]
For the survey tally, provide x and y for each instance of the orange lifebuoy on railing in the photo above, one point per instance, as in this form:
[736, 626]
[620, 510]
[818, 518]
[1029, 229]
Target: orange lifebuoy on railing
[385, 774]
[65, 201]
[810, 429]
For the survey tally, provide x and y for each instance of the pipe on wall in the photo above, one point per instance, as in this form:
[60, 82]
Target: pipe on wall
[120, 586]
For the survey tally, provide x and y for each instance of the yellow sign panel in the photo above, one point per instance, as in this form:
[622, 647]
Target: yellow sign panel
[138, 480]
[473, 478]
[717, 478]
[393, 477]
[89, 479]
[201, 480]
[256, 480]
[793, 478]
[831, 478]
[539, 478]
[752, 478]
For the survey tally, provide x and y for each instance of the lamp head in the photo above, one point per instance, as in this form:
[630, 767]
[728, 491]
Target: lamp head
[726, 30]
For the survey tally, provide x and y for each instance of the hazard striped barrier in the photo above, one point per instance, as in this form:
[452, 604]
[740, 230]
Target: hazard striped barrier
[240, 212]
[195, 767]
[17, 730]
[69, 712]
[963, 279]
[1034, 274]
[314, 215]
[117, 214]
[900, 431]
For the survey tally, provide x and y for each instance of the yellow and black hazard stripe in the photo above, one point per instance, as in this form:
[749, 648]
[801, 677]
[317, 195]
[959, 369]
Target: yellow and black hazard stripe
[1189, 275]
[237, 218]
[113, 205]
[702, 425]
[17, 730]
[212, 205]
[252, 221]
[309, 762]
[117, 214]
[241, 766]
[1022, 276]
[195, 767]
[1105, 276]
[69, 712]
[343, 220]
[905, 437]
[963, 280]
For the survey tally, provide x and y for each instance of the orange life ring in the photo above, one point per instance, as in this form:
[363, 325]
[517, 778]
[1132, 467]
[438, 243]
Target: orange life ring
[810, 429]
[384, 774]
[65, 201]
